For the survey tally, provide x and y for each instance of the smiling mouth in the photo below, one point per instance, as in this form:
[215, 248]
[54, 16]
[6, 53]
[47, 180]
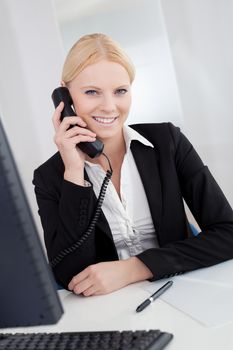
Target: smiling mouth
[104, 120]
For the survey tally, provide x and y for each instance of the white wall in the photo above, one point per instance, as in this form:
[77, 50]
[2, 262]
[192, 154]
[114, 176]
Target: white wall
[200, 34]
[30, 61]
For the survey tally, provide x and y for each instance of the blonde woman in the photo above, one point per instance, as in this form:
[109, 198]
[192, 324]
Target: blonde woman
[142, 231]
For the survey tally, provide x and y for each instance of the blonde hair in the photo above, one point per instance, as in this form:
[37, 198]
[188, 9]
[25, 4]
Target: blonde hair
[90, 49]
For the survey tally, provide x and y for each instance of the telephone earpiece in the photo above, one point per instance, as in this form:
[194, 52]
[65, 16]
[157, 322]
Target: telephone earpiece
[92, 149]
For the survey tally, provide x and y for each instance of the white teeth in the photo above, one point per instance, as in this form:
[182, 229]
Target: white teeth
[104, 120]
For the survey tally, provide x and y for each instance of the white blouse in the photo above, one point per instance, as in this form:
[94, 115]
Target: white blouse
[129, 218]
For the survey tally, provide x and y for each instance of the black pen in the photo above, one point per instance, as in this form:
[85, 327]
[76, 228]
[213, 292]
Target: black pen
[154, 296]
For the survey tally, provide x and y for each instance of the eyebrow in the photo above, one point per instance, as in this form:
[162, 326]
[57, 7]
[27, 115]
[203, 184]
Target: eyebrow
[97, 88]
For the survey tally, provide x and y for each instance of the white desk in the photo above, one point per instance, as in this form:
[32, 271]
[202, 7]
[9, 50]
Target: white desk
[116, 311]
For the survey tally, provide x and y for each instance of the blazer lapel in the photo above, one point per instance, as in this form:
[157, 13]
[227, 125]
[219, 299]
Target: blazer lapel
[147, 164]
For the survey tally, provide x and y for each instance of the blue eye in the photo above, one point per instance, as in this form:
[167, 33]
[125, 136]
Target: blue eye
[121, 91]
[91, 92]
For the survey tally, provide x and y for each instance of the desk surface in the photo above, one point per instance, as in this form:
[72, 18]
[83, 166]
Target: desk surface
[116, 311]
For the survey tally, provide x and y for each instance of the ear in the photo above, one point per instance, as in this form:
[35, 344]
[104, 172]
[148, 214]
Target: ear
[62, 83]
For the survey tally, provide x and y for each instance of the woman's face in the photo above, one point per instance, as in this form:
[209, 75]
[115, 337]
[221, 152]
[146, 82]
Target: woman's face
[101, 95]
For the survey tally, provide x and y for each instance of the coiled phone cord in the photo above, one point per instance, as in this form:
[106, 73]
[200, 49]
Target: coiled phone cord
[63, 253]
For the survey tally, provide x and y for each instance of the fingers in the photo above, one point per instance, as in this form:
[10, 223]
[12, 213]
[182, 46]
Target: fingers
[78, 278]
[83, 284]
[57, 116]
[67, 121]
[91, 291]
[76, 130]
[78, 133]
[100, 278]
[60, 141]
[86, 282]
[82, 138]
[86, 288]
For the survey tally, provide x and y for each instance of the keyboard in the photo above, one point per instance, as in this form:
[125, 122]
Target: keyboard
[108, 340]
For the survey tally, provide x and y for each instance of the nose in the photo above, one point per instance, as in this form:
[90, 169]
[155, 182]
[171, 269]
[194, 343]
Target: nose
[108, 103]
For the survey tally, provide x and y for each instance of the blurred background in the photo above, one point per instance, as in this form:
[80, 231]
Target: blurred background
[182, 51]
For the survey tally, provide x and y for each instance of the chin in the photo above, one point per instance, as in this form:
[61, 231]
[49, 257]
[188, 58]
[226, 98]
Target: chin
[107, 134]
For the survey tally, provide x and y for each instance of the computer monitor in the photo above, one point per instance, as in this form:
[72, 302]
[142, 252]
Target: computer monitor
[28, 294]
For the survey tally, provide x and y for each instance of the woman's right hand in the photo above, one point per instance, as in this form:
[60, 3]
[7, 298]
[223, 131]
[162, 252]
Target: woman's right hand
[66, 141]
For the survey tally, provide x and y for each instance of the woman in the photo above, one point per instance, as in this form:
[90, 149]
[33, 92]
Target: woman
[142, 231]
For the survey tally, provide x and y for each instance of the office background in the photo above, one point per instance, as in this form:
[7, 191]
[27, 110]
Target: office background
[182, 50]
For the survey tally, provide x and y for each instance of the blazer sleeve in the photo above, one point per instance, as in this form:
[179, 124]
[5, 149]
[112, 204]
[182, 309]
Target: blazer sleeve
[65, 210]
[211, 210]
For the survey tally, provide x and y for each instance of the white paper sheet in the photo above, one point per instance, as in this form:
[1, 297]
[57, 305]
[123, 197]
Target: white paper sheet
[205, 294]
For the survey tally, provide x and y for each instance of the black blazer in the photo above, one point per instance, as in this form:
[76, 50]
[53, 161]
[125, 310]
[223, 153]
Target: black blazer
[170, 172]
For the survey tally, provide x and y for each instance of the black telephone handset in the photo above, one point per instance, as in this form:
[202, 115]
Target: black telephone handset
[92, 149]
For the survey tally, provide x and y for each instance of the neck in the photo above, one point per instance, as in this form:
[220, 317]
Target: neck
[114, 148]
[115, 151]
